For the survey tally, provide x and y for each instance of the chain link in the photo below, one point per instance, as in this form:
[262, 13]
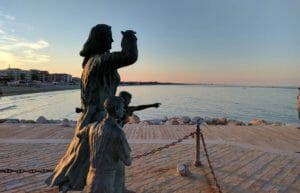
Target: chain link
[19, 171]
[209, 163]
[153, 151]
[163, 147]
[43, 170]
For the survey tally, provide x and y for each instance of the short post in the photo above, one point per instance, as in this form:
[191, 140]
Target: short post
[197, 162]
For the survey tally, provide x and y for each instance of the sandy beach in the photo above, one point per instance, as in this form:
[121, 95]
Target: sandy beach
[17, 90]
[251, 159]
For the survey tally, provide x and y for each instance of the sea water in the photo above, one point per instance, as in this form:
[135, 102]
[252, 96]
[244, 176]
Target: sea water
[233, 102]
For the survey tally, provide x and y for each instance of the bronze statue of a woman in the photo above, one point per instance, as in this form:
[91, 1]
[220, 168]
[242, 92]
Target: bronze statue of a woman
[99, 80]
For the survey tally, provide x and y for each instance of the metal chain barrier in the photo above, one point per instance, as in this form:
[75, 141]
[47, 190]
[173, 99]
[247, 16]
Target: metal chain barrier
[163, 147]
[19, 171]
[198, 162]
[209, 163]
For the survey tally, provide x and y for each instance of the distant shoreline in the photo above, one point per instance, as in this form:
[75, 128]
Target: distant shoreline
[19, 90]
[205, 84]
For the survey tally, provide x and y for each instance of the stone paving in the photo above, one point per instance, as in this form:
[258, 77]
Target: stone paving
[257, 165]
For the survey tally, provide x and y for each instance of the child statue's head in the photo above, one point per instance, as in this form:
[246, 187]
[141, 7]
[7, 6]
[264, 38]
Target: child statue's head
[126, 96]
[114, 106]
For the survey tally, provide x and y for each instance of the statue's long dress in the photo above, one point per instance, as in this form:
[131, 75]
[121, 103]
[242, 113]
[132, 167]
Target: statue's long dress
[99, 80]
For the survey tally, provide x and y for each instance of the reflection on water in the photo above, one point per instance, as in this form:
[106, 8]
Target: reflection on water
[241, 103]
[6, 108]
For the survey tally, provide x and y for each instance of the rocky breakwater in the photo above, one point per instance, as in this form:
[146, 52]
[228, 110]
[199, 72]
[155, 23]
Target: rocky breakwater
[134, 119]
[186, 120]
[41, 120]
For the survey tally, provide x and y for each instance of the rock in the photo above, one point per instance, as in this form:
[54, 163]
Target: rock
[174, 122]
[209, 121]
[196, 119]
[164, 119]
[214, 121]
[51, 121]
[26, 121]
[277, 124]
[146, 122]
[192, 123]
[66, 123]
[134, 119]
[155, 122]
[220, 121]
[235, 123]
[256, 122]
[186, 120]
[12, 121]
[3, 120]
[41, 120]
[55, 121]
[152, 122]
[23, 121]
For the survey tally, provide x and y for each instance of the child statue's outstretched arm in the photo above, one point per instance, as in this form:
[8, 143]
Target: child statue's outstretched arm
[131, 109]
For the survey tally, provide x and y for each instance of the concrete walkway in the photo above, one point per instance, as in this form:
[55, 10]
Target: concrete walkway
[246, 158]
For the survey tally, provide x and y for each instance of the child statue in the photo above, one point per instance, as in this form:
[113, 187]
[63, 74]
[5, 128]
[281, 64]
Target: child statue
[126, 96]
[108, 147]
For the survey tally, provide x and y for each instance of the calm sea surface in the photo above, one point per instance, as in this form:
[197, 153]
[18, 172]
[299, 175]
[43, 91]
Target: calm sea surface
[241, 103]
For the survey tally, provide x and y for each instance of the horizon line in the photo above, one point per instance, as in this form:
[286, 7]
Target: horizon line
[210, 84]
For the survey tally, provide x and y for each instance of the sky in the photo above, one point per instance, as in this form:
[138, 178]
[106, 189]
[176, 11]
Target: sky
[252, 42]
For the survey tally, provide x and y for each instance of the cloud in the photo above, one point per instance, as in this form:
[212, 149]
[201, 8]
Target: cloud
[13, 43]
[30, 56]
[18, 50]
[34, 45]
[7, 17]
[7, 39]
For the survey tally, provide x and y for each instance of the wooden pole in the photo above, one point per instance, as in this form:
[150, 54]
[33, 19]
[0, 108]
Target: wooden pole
[197, 162]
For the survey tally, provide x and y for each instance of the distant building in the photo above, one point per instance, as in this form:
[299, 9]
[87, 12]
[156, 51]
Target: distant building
[13, 74]
[9, 73]
[5, 77]
[76, 80]
[25, 76]
[39, 75]
[43, 75]
[60, 77]
[17, 75]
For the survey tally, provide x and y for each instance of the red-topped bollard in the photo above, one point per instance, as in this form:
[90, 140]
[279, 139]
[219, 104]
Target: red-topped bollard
[197, 162]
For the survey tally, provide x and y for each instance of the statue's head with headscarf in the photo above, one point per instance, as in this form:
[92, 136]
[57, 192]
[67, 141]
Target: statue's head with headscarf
[98, 42]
